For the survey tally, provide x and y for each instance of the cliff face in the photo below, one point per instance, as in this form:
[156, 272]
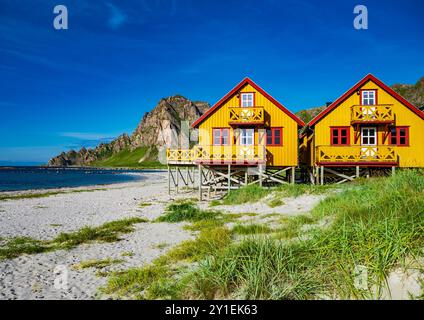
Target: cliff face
[155, 129]
[414, 93]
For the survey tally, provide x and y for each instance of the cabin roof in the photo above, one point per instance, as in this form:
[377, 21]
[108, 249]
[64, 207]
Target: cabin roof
[244, 82]
[346, 95]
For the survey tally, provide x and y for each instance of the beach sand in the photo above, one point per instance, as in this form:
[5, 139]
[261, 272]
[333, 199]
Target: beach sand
[33, 276]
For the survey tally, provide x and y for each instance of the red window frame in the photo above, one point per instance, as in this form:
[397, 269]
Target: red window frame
[399, 136]
[221, 136]
[376, 96]
[241, 99]
[340, 136]
[272, 137]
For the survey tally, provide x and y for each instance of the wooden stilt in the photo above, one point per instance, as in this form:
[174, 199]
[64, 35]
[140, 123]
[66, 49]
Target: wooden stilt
[178, 177]
[245, 177]
[229, 177]
[200, 182]
[322, 175]
[293, 175]
[393, 171]
[260, 175]
[357, 171]
[169, 181]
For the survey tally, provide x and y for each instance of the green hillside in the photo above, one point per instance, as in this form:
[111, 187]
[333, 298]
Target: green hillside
[130, 159]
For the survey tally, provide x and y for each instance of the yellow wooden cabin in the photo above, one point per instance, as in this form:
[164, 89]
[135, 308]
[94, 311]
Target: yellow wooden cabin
[369, 128]
[246, 134]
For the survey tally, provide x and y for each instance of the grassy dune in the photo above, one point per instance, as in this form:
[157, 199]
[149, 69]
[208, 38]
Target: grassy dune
[377, 224]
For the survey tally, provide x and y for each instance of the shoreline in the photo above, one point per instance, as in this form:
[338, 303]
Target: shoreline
[144, 176]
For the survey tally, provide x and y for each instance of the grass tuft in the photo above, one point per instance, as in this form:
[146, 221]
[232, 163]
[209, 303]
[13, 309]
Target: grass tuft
[251, 229]
[251, 193]
[97, 264]
[107, 232]
[186, 211]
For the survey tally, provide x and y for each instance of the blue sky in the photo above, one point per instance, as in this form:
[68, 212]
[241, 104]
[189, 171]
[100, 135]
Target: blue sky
[62, 89]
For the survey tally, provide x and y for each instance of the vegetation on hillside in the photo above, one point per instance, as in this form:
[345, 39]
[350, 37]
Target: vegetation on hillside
[131, 159]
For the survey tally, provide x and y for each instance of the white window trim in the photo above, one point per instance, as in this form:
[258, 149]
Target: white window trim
[249, 100]
[369, 98]
[248, 135]
[369, 136]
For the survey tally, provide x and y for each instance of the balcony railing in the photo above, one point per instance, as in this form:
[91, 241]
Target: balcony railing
[372, 114]
[232, 154]
[356, 155]
[246, 115]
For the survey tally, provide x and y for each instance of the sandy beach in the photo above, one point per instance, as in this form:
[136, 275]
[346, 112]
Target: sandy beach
[33, 276]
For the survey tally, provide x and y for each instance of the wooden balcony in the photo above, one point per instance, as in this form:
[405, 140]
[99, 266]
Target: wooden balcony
[372, 114]
[246, 116]
[218, 155]
[378, 156]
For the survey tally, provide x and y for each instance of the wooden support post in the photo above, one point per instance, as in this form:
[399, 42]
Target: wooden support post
[260, 175]
[393, 171]
[229, 177]
[177, 171]
[293, 175]
[187, 177]
[245, 177]
[200, 182]
[357, 171]
[169, 181]
[322, 175]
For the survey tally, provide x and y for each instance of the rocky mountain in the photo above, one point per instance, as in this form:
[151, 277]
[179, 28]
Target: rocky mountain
[414, 93]
[155, 129]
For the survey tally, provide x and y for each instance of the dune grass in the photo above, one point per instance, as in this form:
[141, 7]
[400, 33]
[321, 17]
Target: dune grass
[97, 264]
[251, 193]
[377, 224]
[107, 232]
[254, 193]
[251, 229]
[186, 211]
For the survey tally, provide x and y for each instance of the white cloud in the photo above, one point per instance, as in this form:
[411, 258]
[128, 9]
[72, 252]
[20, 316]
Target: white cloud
[117, 17]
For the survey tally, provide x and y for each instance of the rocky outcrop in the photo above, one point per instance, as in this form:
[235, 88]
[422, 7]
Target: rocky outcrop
[414, 93]
[159, 127]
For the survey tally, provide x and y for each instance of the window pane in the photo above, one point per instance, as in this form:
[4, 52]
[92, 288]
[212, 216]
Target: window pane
[402, 141]
[372, 140]
[344, 133]
[335, 141]
[335, 133]
[277, 132]
[268, 136]
[365, 140]
[402, 132]
[225, 136]
[344, 140]
[216, 136]
[277, 140]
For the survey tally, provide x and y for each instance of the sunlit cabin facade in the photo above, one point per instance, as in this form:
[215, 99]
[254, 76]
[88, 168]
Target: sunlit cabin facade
[370, 127]
[247, 128]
